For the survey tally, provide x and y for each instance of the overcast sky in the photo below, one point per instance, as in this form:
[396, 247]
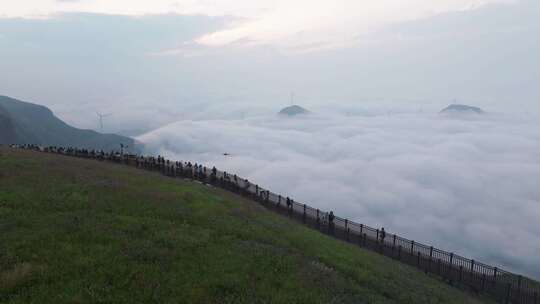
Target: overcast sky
[155, 62]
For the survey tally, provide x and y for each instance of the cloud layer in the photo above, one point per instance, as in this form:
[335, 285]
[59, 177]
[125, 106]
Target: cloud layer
[278, 22]
[467, 184]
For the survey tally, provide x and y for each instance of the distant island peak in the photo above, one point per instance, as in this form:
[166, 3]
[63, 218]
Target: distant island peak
[460, 108]
[293, 110]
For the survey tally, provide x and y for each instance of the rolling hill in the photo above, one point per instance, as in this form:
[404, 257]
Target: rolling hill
[27, 123]
[82, 231]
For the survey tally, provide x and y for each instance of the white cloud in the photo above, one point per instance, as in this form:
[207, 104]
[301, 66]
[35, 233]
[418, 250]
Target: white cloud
[283, 23]
[468, 185]
[331, 23]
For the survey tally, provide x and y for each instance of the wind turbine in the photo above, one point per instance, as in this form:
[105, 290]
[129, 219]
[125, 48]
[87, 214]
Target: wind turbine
[101, 119]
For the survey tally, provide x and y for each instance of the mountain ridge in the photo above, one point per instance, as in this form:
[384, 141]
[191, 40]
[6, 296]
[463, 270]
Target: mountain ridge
[24, 122]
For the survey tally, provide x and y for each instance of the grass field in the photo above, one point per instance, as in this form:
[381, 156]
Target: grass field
[82, 231]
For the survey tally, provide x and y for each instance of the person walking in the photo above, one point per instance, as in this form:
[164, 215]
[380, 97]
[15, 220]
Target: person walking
[291, 207]
[289, 204]
[383, 235]
[331, 222]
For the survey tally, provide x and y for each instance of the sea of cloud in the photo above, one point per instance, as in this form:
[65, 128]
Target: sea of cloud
[468, 184]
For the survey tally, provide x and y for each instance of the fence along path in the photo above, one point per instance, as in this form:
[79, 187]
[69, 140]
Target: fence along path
[503, 286]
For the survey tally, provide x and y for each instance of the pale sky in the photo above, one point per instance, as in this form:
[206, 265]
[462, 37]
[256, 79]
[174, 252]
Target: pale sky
[278, 22]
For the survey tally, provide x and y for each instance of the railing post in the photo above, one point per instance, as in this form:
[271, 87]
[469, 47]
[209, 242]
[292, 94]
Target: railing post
[377, 236]
[348, 235]
[347, 228]
[393, 245]
[508, 290]
[361, 228]
[471, 276]
[365, 239]
[450, 268]
[483, 282]
[412, 247]
[399, 253]
[520, 279]
[495, 276]
[430, 257]
[304, 214]
[418, 260]
[460, 273]
[439, 266]
[318, 220]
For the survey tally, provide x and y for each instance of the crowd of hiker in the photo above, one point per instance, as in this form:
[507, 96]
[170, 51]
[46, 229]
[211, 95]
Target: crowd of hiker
[192, 171]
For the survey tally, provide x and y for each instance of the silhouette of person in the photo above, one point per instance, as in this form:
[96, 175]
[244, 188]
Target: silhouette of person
[331, 221]
[383, 235]
[246, 186]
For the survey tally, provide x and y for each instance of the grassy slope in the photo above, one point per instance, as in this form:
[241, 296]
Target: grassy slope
[80, 231]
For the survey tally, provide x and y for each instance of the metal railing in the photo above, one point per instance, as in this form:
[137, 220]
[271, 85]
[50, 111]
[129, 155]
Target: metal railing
[459, 271]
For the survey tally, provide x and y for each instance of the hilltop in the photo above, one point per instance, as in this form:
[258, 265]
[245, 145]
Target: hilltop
[293, 111]
[82, 231]
[23, 122]
[458, 108]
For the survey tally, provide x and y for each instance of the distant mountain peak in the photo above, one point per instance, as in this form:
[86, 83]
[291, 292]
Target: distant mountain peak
[460, 108]
[27, 123]
[293, 110]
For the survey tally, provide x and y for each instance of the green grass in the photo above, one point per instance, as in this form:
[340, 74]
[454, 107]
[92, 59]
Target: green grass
[81, 231]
